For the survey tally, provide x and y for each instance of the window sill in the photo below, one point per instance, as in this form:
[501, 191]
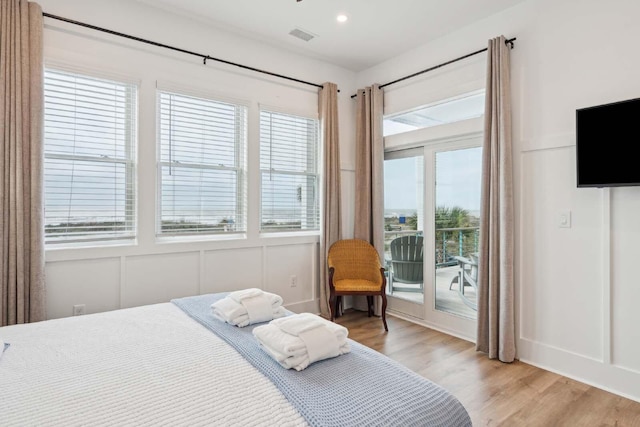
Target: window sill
[161, 240]
[280, 234]
[55, 247]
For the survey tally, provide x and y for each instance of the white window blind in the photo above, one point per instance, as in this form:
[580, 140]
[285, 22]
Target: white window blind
[201, 167]
[89, 149]
[289, 172]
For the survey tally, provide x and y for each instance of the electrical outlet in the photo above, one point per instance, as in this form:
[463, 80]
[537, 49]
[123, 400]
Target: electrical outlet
[78, 310]
[293, 281]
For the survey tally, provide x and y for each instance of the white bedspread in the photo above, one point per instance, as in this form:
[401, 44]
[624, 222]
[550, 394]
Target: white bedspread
[145, 366]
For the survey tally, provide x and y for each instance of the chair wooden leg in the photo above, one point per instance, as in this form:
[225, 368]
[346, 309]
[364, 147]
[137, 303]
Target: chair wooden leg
[333, 305]
[369, 305]
[384, 311]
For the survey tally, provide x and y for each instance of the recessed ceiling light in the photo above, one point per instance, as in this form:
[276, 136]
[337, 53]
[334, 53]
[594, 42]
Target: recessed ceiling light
[342, 18]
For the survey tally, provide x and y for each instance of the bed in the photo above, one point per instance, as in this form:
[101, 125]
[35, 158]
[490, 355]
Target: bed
[174, 364]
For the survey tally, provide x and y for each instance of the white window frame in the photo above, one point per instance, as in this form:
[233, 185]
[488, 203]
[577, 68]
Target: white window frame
[437, 103]
[315, 174]
[240, 168]
[129, 161]
[451, 136]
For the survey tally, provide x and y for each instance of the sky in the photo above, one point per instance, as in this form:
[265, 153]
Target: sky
[457, 180]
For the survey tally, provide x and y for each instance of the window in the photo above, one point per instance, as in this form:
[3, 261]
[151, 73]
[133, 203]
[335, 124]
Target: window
[289, 172]
[89, 150]
[201, 167]
[467, 106]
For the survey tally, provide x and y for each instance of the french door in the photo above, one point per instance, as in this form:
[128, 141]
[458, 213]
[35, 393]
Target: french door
[432, 199]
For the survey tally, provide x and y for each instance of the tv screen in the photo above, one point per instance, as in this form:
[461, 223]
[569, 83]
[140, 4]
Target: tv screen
[606, 137]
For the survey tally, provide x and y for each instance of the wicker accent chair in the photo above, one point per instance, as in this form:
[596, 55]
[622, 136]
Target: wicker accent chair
[354, 269]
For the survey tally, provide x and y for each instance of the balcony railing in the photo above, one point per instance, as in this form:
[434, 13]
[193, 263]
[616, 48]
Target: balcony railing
[450, 242]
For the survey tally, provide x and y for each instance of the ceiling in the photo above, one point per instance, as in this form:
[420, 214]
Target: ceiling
[376, 30]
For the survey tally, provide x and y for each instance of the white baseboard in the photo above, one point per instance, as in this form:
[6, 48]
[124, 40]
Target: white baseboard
[608, 377]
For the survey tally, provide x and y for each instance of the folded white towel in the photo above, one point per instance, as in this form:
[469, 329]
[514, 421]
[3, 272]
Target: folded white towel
[248, 307]
[299, 340]
[245, 293]
[302, 322]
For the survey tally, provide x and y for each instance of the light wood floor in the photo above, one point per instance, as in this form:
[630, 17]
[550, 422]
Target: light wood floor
[494, 393]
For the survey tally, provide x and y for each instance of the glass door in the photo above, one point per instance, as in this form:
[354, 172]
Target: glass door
[456, 226]
[403, 229]
[431, 228]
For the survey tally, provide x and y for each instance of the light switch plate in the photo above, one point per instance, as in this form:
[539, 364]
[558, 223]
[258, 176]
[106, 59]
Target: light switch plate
[564, 219]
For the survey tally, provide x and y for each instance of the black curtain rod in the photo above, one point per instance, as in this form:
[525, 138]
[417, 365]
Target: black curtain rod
[204, 57]
[509, 42]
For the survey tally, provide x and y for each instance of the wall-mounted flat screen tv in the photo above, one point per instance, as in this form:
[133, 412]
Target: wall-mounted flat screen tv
[607, 137]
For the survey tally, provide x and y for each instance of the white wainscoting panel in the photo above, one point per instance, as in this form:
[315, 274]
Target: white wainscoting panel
[151, 279]
[285, 261]
[561, 268]
[94, 283]
[549, 142]
[231, 270]
[625, 275]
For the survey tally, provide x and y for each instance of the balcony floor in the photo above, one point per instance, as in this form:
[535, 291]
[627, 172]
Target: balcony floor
[446, 300]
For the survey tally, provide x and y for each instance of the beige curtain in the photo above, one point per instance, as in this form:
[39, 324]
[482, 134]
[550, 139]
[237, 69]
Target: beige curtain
[21, 103]
[369, 215]
[496, 319]
[369, 209]
[332, 214]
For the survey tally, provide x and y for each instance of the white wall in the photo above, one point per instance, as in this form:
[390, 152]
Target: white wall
[578, 288]
[112, 277]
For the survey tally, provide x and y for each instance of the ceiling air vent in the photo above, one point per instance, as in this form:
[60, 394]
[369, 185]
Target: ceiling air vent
[301, 34]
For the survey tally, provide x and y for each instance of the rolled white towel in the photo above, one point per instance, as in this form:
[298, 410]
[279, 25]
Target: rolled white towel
[248, 306]
[299, 340]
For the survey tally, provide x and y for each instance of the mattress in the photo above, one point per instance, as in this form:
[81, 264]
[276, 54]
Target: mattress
[173, 364]
[144, 366]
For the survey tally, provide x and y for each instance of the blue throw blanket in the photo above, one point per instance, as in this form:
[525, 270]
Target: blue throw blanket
[359, 388]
